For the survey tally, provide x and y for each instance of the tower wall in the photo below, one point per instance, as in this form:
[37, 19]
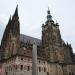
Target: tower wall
[11, 39]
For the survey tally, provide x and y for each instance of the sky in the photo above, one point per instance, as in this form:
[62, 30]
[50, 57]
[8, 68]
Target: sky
[32, 14]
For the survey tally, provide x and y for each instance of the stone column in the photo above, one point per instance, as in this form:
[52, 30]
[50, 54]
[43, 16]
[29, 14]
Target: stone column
[34, 60]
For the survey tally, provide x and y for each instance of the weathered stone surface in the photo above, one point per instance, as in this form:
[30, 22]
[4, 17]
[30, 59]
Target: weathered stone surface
[54, 56]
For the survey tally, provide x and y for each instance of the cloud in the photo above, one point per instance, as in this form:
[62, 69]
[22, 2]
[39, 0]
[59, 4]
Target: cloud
[3, 19]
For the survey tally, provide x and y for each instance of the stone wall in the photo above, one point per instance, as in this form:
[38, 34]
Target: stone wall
[55, 69]
[20, 65]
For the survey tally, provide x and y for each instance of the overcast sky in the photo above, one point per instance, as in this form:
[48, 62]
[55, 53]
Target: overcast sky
[32, 14]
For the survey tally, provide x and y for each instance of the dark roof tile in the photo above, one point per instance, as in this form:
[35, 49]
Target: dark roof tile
[29, 39]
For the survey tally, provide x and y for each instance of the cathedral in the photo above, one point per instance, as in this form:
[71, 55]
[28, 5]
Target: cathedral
[54, 56]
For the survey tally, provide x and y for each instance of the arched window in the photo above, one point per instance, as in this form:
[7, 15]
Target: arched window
[39, 69]
[28, 68]
[21, 67]
[44, 69]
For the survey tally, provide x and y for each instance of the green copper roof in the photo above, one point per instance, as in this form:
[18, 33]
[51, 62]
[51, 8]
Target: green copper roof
[49, 17]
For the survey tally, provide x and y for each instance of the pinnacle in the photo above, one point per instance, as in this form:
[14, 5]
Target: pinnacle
[16, 11]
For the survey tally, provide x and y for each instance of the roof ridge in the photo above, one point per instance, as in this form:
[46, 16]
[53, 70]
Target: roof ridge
[31, 36]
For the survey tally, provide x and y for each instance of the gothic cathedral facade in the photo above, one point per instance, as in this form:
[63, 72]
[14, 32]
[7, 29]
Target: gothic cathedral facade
[54, 56]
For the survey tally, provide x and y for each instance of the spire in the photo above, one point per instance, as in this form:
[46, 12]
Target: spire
[15, 22]
[49, 17]
[16, 11]
[9, 21]
[48, 12]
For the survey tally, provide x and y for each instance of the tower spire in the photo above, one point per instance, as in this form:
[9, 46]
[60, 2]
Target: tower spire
[49, 17]
[16, 11]
[48, 12]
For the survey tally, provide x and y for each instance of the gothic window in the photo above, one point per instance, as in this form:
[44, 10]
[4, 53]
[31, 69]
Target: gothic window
[44, 69]
[39, 69]
[28, 68]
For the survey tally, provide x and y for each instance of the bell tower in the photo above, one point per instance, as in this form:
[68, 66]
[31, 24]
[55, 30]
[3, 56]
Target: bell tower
[49, 17]
[51, 38]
